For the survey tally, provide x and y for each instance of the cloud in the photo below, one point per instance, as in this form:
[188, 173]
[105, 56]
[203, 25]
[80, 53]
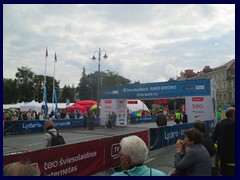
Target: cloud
[144, 42]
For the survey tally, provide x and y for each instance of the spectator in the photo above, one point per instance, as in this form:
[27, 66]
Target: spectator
[20, 169]
[40, 115]
[67, 116]
[184, 117]
[161, 119]
[85, 117]
[91, 120]
[224, 135]
[208, 143]
[177, 117]
[196, 161]
[49, 126]
[113, 119]
[132, 156]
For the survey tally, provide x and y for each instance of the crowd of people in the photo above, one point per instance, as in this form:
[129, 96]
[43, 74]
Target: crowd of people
[17, 115]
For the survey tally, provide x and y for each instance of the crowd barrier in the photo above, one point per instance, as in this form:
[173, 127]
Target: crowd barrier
[168, 135]
[142, 119]
[26, 126]
[80, 159]
[88, 158]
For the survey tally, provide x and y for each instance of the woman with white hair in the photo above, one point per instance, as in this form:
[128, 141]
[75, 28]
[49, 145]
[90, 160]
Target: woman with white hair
[133, 154]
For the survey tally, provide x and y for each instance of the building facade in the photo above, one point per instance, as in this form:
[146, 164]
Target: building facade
[224, 77]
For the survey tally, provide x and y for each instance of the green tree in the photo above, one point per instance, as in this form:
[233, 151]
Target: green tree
[30, 86]
[110, 78]
[67, 93]
[87, 87]
[84, 91]
[49, 85]
[38, 85]
[10, 91]
[24, 83]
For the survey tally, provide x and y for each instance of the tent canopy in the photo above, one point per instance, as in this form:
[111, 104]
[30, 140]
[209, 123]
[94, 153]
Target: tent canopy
[136, 105]
[78, 107]
[33, 105]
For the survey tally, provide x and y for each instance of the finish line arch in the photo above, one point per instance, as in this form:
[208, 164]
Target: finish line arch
[199, 94]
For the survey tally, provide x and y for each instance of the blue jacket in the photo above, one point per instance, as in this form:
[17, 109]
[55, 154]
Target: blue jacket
[140, 171]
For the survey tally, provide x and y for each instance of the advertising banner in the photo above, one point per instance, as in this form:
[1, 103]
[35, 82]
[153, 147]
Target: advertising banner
[168, 135]
[143, 119]
[107, 107]
[119, 107]
[81, 159]
[121, 113]
[197, 87]
[199, 108]
[37, 125]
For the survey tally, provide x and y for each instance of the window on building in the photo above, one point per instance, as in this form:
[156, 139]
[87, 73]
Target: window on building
[220, 96]
[225, 97]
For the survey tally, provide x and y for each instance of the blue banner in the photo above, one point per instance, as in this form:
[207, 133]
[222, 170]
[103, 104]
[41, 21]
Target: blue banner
[142, 119]
[55, 100]
[37, 125]
[198, 87]
[168, 135]
[45, 100]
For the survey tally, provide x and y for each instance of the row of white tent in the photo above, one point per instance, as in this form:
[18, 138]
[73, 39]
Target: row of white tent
[33, 105]
[36, 106]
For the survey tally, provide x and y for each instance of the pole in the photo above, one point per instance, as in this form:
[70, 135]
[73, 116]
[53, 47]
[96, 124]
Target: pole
[98, 83]
[45, 88]
[54, 80]
[45, 72]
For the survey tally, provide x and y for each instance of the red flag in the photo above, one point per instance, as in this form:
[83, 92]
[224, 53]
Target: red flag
[55, 57]
[46, 52]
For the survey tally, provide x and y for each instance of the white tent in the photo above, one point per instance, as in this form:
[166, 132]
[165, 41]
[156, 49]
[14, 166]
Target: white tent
[139, 105]
[12, 106]
[33, 105]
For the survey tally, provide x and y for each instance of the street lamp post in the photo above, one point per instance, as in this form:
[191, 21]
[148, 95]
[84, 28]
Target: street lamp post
[98, 77]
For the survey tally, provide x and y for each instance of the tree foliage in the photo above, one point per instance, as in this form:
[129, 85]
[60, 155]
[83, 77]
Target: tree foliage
[27, 86]
[24, 82]
[10, 91]
[67, 93]
[87, 87]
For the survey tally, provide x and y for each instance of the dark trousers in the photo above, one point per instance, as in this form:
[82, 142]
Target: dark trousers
[84, 123]
[226, 170]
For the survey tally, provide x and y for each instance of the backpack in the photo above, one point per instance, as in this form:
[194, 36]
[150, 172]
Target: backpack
[56, 139]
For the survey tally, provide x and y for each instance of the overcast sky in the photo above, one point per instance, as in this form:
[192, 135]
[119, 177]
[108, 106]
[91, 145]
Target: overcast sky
[146, 43]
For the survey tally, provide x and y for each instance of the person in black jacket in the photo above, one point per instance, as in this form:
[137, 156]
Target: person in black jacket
[161, 119]
[224, 135]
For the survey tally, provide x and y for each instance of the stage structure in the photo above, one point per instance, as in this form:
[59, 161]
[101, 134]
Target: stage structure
[199, 95]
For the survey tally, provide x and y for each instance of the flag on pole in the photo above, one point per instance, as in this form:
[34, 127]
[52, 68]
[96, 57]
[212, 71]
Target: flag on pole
[46, 52]
[55, 57]
[55, 100]
[45, 100]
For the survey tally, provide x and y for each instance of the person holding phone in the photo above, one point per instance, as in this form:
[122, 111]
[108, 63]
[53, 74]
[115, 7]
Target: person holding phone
[196, 160]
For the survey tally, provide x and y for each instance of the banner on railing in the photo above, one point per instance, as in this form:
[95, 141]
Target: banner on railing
[81, 159]
[37, 125]
[168, 135]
